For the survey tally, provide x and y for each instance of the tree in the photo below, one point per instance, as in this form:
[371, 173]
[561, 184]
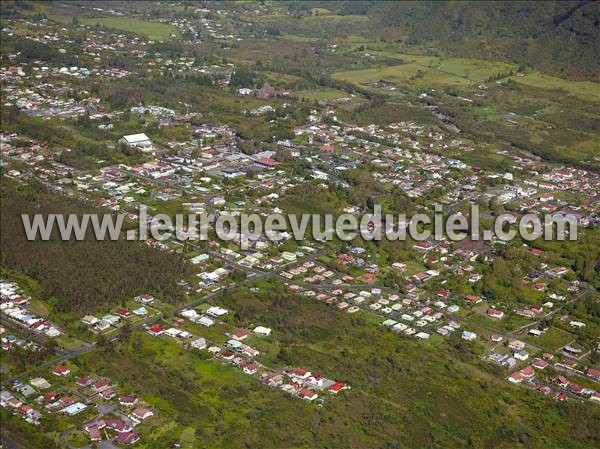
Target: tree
[125, 332]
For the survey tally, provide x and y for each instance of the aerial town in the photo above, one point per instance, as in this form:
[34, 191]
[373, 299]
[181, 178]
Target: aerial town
[215, 108]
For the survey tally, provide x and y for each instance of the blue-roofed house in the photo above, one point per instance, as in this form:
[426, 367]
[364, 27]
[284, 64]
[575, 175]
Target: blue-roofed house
[468, 335]
[141, 311]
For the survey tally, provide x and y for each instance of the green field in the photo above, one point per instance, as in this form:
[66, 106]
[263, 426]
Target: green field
[426, 70]
[153, 30]
[586, 90]
[459, 71]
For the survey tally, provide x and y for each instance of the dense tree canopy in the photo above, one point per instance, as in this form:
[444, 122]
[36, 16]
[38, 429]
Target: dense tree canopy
[82, 275]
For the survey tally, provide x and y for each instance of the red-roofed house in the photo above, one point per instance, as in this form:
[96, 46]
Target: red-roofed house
[85, 381]
[300, 373]
[473, 299]
[308, 394]
[594, 372]
[336, 387]
[50, 396]
[267, 162]
[127, 438]
[100, 385]
[240, 334]
[123, 313]
[118, 425]
[95, 434]
[369, 277]
[561, 381]
[65, 401]
[142, 413]
[576, 388]
[127, 401]
[61, 371]
[540, 364]
[515, 378]
[423, 246]
[528, 372]
[569, 362]
[545, 389]
[495, 313]
[98, 424]
[155, 330]
[250, 368]
[108, 394]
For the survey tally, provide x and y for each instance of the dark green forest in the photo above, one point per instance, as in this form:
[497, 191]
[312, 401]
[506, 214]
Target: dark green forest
[81, 275]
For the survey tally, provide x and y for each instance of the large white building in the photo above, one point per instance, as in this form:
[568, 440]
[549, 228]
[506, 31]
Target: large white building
[141, 141]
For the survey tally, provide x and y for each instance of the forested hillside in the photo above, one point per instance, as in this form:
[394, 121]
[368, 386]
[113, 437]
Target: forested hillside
[81, 275]
[558, 37]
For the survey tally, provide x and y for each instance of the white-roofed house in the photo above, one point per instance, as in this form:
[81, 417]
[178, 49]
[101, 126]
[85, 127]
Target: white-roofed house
[261, 330]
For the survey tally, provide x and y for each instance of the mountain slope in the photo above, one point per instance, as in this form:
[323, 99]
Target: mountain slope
[558, 37]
